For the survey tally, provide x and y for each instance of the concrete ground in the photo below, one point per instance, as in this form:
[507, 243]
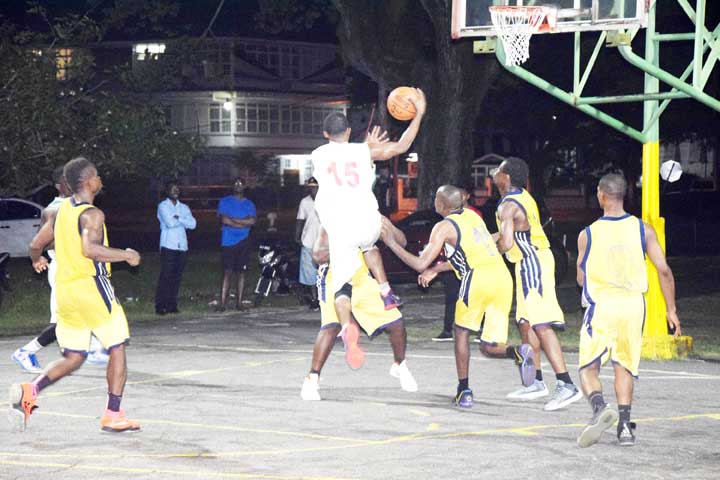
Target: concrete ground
[218, 397]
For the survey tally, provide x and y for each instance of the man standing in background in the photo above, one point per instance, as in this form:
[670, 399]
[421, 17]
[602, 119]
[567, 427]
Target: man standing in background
[175, 217]
[237, 215]
[307, 228]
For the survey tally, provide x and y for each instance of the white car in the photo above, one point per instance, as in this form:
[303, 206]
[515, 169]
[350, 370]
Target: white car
[19, 222]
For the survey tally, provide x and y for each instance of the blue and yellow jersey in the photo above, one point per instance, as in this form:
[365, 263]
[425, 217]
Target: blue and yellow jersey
[72, 263]
[475, 247]
[614, 261]
[524, 241]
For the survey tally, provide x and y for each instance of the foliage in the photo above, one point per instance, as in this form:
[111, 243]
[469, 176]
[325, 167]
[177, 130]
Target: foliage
[105, 115]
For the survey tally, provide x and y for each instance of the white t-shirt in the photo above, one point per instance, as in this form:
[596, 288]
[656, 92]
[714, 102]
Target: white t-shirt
[311, 229]
[345, 173]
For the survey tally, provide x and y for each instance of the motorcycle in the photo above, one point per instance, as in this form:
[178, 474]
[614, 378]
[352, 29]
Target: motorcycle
[276, 271]
[4, 275]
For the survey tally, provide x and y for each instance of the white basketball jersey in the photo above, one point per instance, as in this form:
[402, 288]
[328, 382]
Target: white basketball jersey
[345, 175]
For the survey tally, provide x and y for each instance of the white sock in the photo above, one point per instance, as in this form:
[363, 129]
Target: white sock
[33, 347]
[384, 288]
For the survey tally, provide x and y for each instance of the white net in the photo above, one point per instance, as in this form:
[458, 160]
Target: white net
[515, 26]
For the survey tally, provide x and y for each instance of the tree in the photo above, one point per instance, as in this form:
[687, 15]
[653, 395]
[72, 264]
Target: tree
[62, 105]
[407, 42]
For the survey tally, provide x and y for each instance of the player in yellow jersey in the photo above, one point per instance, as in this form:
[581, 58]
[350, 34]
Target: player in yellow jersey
[86, 302]
[613, 274]
[523, 241]
[368, 310]
[485, 284]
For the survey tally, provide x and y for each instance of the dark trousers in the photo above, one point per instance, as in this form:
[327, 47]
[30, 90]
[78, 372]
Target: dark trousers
[452, 288]
[172, 264]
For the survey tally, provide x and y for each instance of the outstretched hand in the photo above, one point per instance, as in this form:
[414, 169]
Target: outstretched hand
[377, 135]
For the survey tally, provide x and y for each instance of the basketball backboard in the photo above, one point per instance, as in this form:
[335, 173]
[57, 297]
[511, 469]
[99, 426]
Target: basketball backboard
[471, 18]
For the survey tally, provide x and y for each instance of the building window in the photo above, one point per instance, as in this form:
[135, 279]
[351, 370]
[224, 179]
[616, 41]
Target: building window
[148, 51]
[220, 119]
[271, 118]
[63, 60]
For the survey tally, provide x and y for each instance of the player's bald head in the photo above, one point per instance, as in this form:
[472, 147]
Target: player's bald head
[450, 196]
[613, 185]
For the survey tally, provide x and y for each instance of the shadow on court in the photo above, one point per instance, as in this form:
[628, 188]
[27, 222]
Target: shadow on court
[218, 397]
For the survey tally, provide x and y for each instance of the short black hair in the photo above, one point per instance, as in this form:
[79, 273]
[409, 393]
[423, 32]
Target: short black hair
[613, 185]
[75, 171]
[57, 175]
[517, 170]
[335, 123]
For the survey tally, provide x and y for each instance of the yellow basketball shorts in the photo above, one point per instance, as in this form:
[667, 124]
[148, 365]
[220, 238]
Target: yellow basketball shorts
[88, 306]
[488, 292]
[367, 305]
[536, 301]
[612, 329]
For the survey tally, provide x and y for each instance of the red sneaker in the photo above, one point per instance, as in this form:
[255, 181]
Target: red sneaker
[115, 422]
[354, 355]
[22, 403]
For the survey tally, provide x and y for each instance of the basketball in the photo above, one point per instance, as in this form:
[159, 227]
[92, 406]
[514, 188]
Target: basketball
[399, 105]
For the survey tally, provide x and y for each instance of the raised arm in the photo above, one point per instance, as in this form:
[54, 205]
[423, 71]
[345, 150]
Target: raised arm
[388, 150]
[667, 280]
[92, 223]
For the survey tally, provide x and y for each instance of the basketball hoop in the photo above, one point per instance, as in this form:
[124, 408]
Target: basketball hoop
[515, 26]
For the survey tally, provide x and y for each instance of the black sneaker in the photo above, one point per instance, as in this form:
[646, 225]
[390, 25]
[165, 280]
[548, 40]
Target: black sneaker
[626, 434]
[443, 337]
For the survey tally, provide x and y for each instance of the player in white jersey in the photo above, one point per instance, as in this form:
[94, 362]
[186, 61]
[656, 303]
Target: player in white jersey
[345, 202]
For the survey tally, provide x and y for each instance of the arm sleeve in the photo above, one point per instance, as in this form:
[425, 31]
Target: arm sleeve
[187, 219]
[165, 216]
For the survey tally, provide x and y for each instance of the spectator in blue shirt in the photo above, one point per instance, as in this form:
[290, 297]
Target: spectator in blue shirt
[175, 217]
[237, 216]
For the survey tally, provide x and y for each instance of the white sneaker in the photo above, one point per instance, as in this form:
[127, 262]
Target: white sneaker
[564, 395]
[401, 371]
[98, 357]
[27, 360]
[537, 389]
[311, 387]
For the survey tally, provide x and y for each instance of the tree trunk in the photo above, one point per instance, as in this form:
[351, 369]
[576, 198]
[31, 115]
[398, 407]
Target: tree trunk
[408, 43]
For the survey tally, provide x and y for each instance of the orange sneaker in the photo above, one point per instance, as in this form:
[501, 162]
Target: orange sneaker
[354, 355]
[115, 422]
[22, 403]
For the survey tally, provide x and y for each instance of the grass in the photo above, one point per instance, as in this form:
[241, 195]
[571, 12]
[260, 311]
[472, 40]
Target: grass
[25, 309]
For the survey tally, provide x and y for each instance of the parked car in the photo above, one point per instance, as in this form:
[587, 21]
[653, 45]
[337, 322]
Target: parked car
[416, 227]
[19, 222]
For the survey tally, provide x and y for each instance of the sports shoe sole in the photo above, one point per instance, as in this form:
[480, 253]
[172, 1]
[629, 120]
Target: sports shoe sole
[591, 434]
[578, 395]
[438, 339]
[114, 431]
[354, 355]
[527, 366]
[528, 396]
[16, 416]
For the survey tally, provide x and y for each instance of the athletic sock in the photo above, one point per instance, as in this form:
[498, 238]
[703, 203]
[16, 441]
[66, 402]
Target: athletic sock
[384, 288]
[315, 372]
[565, 377]
[538, 375]
[47, 336]
[113, 403]
[33, 346]
[463, 385]
[597, 402]
[624, 411]
[40, 383]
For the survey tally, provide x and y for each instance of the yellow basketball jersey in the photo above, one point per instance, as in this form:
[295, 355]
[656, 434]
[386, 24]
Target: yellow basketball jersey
[524, 242]
[614, 261]
[72, 264]
[475, 247]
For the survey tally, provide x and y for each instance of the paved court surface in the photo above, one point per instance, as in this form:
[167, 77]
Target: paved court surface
[219, 398]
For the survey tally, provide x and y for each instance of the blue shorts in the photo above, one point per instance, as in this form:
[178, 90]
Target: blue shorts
[308, 269]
